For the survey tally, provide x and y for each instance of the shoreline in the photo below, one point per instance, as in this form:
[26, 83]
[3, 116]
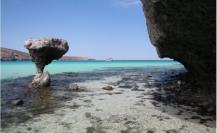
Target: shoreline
[133, 106]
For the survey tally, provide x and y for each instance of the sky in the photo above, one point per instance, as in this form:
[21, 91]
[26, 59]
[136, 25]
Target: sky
[98, 29]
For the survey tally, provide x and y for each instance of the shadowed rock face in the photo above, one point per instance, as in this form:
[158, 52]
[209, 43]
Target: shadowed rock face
[184, 30]
[43, 51]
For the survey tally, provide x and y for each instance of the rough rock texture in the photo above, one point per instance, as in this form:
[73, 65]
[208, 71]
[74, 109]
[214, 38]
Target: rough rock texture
[43, 51]
[41, 79]
[184, 30]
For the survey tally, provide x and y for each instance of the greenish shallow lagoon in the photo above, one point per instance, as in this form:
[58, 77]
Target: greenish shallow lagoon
[15, 69]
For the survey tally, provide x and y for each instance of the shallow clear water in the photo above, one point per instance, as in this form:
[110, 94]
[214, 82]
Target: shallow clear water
[47, 99]
[15, 69]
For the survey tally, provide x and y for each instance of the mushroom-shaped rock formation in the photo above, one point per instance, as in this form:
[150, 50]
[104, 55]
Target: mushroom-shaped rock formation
[43, 51]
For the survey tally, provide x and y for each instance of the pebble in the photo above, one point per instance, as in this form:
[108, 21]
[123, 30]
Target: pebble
[148, 76]
[73, 87]
[108, 88]
[149, 131]
[179, 82]
[18, 102]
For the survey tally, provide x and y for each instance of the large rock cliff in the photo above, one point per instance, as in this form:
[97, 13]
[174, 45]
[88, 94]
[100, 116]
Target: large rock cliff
[184, 30]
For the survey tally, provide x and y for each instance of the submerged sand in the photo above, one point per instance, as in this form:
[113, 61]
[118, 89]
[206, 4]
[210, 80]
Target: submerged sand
[125, 109]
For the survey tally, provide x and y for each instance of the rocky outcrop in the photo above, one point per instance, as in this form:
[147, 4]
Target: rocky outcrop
[43, 52]
[184, 30]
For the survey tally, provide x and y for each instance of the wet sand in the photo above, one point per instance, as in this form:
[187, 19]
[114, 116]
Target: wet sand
[131, 107]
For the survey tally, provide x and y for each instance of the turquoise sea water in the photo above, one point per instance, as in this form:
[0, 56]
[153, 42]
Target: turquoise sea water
[15, 69]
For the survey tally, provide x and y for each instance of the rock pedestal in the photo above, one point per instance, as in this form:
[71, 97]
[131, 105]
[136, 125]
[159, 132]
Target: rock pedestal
[41, 79]
[43, 52]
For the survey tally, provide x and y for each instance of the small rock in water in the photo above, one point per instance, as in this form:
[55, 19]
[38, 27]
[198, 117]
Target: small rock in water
[149, 131]
[127, 85]
[73, 87]
[17, 102]
[136, 88]
[179, 82]
[211, 109]
[171, 131]
[87, 114]
[108, 88]
[149, 76]
[125, 130]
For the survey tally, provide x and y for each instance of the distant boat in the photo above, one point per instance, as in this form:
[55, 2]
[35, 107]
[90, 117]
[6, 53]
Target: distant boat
[109, 59]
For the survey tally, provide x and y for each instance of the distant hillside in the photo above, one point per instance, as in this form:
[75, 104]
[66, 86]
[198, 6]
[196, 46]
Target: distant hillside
[13, 55]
